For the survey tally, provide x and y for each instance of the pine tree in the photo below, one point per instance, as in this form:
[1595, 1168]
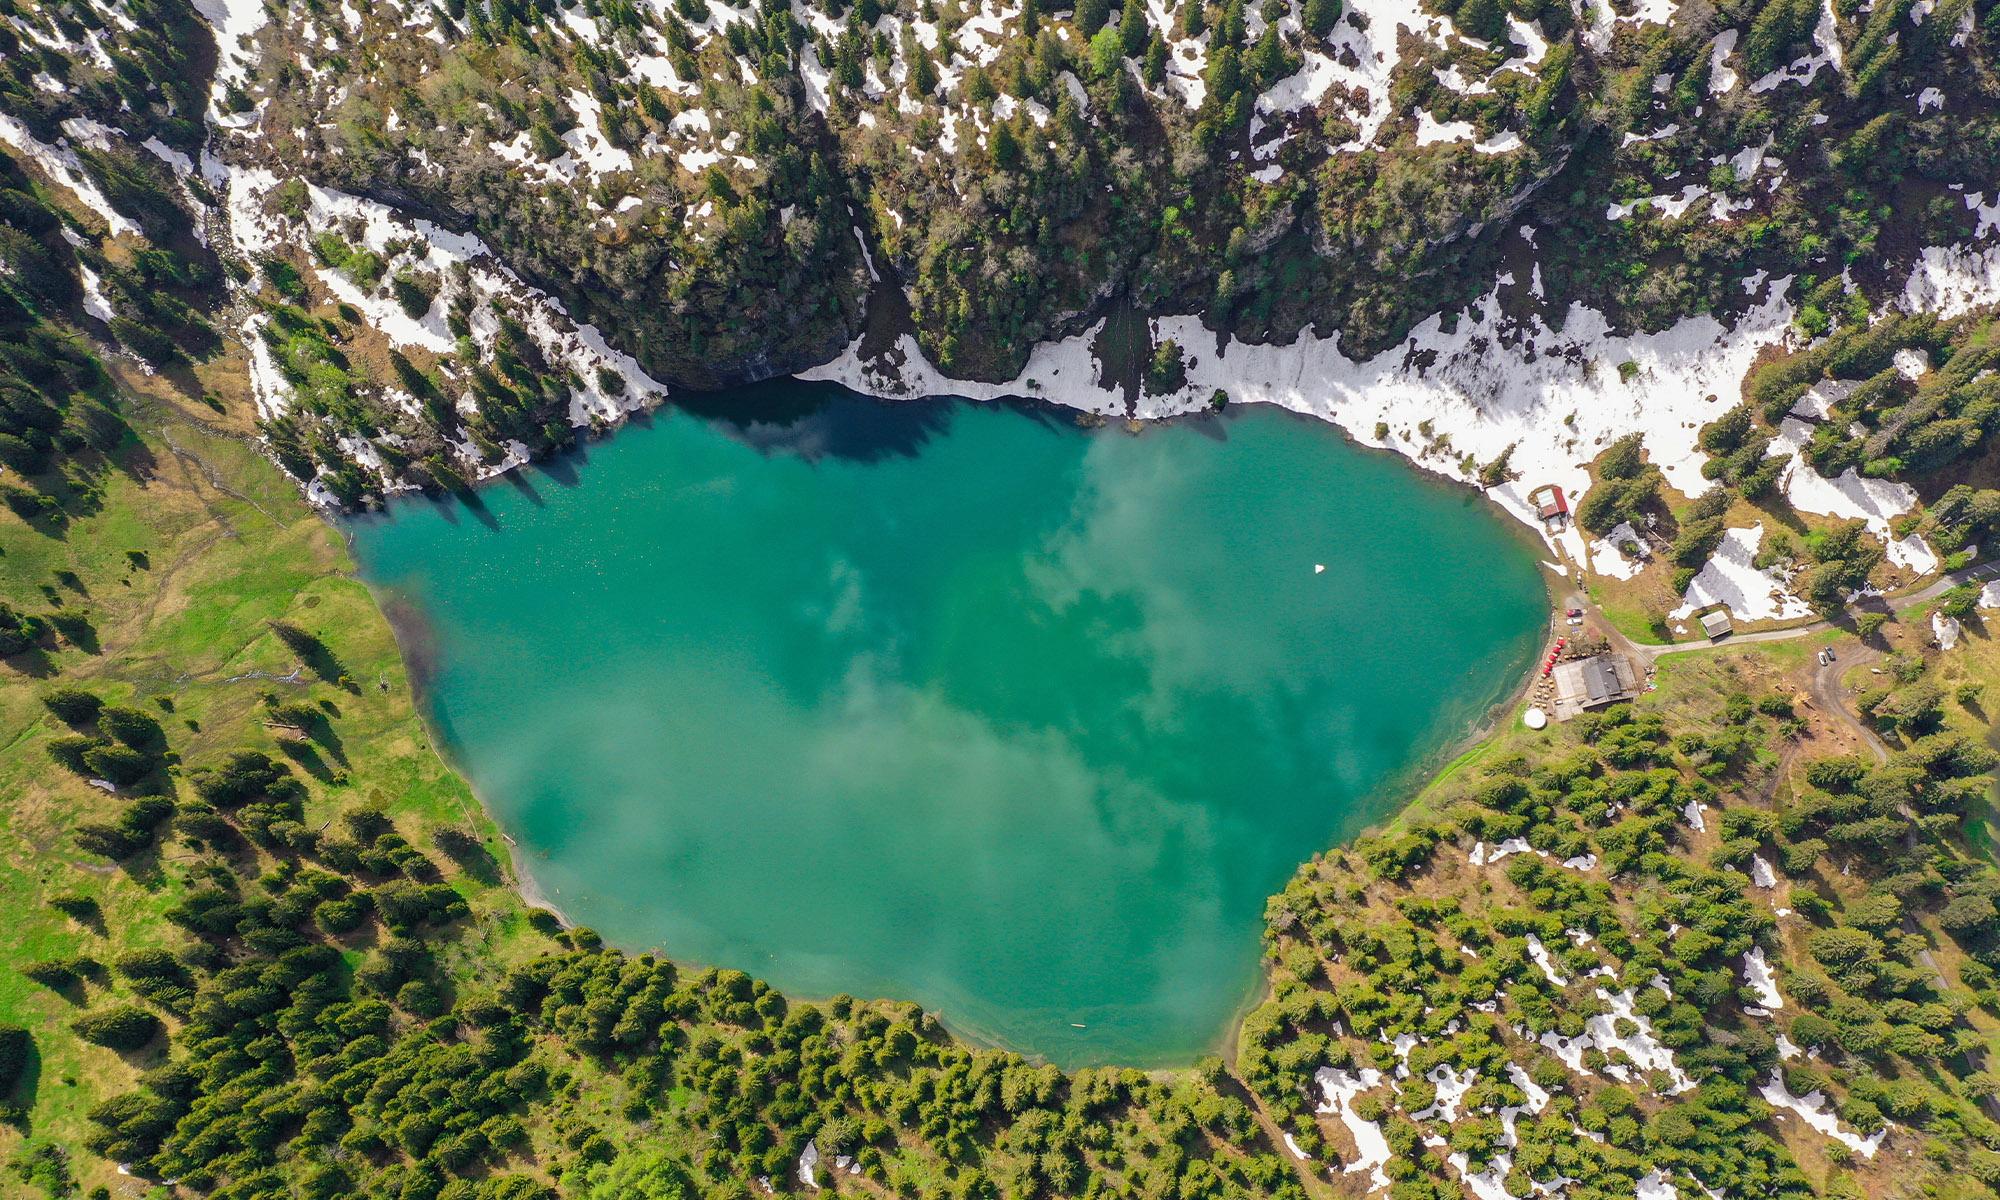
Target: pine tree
[923, 74]
[1128, 96]
[1319, 16]
[1555, 74]
[1019, 83]
[978, 86]
[847, 68]
[1091, 15]
[1068, 124]
[1052, 58]
[1194, 19]
[1267, 59]
[1005, 146]
[1155, 69]
[1223, 77]
[653, 106]
[1133, 27]
[1780, 25]
[1229, 31]
[717, 184]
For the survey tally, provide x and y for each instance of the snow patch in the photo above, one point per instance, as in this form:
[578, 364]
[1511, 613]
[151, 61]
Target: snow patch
[1757, 973]
[1609, 560]
[1953, 280]
[65, 168]
[1761, 873]
[1730, 578]
[1814, 1109]
[95, 302]
[1370, 1145]
[1540, 954]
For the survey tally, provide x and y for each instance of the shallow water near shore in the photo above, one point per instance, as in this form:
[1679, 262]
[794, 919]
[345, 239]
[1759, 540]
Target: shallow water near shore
[954, 702]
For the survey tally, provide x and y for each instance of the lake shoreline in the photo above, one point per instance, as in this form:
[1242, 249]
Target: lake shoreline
[416, 644]
[523, 881]
[1493, 396]
[1339, 495]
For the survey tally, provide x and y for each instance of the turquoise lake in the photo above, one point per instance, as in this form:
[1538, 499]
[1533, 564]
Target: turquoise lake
[954, 702]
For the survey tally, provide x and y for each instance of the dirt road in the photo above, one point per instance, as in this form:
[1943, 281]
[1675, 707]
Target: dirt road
[1647, 652]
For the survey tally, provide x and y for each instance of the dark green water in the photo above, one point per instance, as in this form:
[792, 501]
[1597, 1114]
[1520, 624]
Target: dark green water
[956, 702]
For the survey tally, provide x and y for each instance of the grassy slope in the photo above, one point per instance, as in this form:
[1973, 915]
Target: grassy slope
[228, 545]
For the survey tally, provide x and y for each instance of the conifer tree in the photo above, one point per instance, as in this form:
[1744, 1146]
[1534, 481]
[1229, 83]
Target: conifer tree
[1266, 63]
[1223, 77]
[1155, 68]
[1481, 19]
[1779, 25]
[978, 86]
[923, 74]
[1005, 146]
[1319, 16]
[1229, 31]
[1133, 27]
[653, 106]
[1068, 123]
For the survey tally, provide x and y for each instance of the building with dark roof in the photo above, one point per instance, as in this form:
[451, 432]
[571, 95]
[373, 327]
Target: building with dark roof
[1583, 684]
